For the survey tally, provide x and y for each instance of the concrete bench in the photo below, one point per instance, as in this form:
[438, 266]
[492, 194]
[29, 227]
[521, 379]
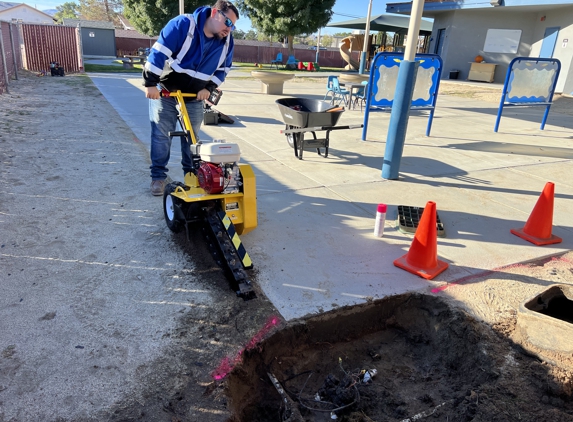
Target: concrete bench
[271, 82]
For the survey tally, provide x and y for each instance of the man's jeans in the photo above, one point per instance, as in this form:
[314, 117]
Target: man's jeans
[163, 117]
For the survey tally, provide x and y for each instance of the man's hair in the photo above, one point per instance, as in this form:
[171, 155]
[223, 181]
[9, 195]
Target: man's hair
[224, 5]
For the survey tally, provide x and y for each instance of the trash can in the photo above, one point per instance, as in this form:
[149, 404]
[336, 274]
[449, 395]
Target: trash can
[454, 74]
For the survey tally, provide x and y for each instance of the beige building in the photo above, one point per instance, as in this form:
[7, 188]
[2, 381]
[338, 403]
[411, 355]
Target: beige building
[21, 12]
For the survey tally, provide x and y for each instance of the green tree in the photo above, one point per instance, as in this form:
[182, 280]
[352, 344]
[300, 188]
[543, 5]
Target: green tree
[326, 40]
[342, 34]
[149, 17]
[266, 37]
[251, 35]
[239, 34]
[101, 10]
[287, 17]
[68, 10]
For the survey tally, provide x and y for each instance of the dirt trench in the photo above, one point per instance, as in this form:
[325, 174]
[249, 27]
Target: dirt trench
[432, 361]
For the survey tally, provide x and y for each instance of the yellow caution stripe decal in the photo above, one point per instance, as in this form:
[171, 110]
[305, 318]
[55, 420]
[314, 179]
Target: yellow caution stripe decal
[241, 251]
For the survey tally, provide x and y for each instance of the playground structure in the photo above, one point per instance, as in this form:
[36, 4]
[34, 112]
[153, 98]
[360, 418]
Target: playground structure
[379, 39]
[377, 43]
[347, 46]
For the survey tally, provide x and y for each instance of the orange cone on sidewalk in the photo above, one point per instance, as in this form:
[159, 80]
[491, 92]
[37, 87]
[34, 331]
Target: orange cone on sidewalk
[538, 227]
[422, 258]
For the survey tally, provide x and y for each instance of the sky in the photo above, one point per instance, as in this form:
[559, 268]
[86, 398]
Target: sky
[343, 10]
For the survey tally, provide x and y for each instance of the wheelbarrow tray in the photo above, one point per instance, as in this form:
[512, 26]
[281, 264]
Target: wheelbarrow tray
[312, 112]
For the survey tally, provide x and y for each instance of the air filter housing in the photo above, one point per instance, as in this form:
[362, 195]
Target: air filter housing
[211, 178]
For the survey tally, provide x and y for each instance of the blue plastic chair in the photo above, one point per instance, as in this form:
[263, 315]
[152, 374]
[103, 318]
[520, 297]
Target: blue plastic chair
[277, 61]
[360, 95]
[329, 88]
[291, 62]
[338, 93]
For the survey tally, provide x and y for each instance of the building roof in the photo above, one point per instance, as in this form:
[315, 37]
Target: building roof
[385, 23]
[8, 5]
[5, 5]
[129, 33]
[436, 6]
[125, 23]
[89, 24]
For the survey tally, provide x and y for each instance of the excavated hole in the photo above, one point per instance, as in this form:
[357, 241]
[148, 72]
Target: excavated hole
[431, 361]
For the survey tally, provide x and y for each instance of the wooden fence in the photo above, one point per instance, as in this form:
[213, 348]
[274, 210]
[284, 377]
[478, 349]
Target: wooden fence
[46, 43]
[33, 47]
[10, 59]
[265, 54]
[247, 53]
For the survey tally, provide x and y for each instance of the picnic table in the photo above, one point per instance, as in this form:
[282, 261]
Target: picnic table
[129, 61]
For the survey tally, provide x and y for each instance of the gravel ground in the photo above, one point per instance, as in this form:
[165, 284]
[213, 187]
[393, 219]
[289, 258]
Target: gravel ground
[104, 313]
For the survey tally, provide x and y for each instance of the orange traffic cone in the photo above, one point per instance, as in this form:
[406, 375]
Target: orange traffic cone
[538, 227]
[422, 258]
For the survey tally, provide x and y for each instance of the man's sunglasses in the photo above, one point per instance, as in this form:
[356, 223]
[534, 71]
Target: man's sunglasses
[228, 22]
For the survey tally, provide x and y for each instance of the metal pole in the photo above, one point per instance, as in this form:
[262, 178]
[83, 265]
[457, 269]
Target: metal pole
[3, 52]
[366, 37]
[317, 45]
[13, 52]
[181, 7]
[414, 30]
[80, 45]
[402, 97]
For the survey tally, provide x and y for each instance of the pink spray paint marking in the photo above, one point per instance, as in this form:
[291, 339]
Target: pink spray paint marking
[227, 364]
[490, 272]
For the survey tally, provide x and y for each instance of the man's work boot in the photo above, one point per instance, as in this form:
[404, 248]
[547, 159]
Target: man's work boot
[157, 187]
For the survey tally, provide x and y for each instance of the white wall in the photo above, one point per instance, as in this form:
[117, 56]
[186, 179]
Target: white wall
[466, 31]
[26, 13]
[562, 18]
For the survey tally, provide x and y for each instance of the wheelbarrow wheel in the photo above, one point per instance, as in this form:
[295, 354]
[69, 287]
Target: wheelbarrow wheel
[173, 209]
[291, 136]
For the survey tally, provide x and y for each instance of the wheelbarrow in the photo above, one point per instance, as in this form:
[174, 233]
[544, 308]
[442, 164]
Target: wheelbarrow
[302, 115]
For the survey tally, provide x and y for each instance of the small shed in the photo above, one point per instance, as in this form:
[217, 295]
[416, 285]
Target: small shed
[97, 37]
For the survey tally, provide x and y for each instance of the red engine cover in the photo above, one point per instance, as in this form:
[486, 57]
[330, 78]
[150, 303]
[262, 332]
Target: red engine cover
[211, 178]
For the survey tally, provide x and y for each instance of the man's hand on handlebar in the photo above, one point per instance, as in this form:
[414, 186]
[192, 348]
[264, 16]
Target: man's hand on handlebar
[203, 94]
[152, 92]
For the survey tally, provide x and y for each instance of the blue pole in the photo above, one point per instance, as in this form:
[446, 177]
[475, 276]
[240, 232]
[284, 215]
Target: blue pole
[368, 101]
[362, 62]
[403, 97]
[399, 119]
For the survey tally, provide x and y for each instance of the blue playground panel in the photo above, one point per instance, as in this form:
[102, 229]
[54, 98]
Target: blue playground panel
[382, 84]
[530, 81]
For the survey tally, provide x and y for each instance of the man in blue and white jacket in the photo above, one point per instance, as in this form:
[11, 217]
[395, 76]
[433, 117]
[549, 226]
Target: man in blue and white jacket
[198, 50]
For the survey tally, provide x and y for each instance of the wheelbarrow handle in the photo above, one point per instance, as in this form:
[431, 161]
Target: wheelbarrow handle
[319, 128]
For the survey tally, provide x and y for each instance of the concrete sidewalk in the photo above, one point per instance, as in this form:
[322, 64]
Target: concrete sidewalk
[314, 249]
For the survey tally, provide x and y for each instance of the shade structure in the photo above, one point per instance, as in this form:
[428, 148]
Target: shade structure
[385, 23]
